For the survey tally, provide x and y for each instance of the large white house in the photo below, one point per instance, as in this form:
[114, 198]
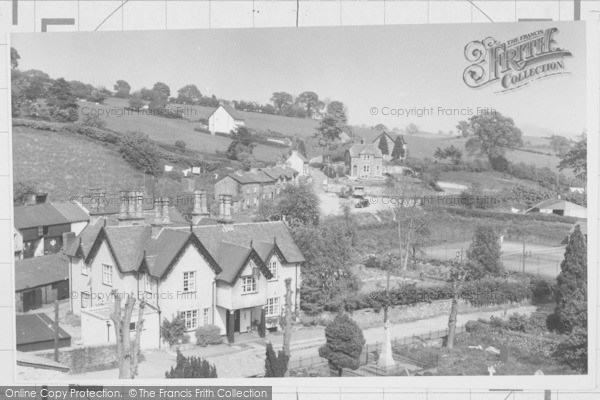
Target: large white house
[298, 162]
[225, 274]
[224, 119]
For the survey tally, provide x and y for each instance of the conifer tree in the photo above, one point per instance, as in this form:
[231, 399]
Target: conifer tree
[485, 250]
[344, 344]
[276, 364]
[191, 367]
[383, 146]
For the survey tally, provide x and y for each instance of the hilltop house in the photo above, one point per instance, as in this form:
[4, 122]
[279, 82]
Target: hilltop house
[559, 207]
[224, 119]
[391, 142]
[298, 162]
[226, 274]
[364, 161]
[42, 227]
[247, 188]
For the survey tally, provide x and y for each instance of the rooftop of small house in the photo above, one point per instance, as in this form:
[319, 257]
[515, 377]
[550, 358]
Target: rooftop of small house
[47, 214]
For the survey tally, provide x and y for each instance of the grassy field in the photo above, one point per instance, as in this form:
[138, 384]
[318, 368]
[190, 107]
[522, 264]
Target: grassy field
[168, 130]
[64, 164]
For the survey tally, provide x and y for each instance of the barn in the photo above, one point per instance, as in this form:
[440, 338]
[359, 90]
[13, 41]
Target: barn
[37, 332]
[41, 280]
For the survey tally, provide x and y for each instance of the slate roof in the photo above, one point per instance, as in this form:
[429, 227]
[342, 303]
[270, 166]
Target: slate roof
[86, 238]
[33, 361]
[241, 234]
[364, 148]
[249, 177]
[34, 328]
[45, 214]
[553, 204]
[41, 271]
[235, 114]
[280, 171]
[225, 246]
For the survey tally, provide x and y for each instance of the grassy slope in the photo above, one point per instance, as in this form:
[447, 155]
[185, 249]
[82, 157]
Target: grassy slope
[170, 130]
[64, 164]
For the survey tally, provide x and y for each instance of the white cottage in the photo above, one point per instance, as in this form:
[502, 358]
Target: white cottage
[224, 119]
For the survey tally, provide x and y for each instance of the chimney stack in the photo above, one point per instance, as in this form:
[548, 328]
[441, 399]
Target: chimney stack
[67, 239]
[139, 204]
[123, 205]
[200, 206]
[225, 209]
[161, 215]
[98, 200]
[29, 199]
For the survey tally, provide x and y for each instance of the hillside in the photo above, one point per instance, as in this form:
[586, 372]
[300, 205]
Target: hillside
[167, 130]
[64, 164]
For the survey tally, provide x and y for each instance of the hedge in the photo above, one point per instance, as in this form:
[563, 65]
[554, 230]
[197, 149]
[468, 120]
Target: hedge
[505, 216]
[208, 334]
[483, 292]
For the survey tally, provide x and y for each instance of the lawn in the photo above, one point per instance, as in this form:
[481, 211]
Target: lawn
[64, 164]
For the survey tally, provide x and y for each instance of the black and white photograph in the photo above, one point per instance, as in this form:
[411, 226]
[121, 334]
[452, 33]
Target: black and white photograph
[330, 202]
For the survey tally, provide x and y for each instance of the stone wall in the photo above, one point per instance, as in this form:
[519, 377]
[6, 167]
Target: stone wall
[86, 359]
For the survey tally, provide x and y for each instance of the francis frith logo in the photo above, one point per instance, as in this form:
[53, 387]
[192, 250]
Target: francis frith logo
[516, 62]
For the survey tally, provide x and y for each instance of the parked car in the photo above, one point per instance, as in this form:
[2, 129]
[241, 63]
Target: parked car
[362, 203]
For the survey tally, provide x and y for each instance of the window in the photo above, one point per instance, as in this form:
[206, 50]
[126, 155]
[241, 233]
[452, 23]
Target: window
[85, 269]
[189, 281]
[248, 284]
[272, 306]
[132, 326]
[255, 189]
[107, 274]
[190, 318]
[149, 283]
[206, 316]
[273, 269]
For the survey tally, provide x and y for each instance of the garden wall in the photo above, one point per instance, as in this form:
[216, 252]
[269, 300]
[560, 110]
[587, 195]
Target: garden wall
[86, 359]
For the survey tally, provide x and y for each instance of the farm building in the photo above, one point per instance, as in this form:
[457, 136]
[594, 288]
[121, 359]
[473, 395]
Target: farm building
[37, 332]
[41, 280]
[559, 207]
[42, 226]
[224, 119]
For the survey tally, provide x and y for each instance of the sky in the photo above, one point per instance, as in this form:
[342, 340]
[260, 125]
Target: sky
[384, 67]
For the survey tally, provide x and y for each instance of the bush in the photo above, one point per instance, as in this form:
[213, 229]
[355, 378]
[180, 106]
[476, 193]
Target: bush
[174, 331]
[517, 322]
[573, 351]
[191, 367]
[542, 290]
[94, 121]
[475, 326]
[207, 335]
[143, 155]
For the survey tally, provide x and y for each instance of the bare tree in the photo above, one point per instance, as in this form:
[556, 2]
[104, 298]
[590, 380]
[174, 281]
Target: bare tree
[412, 220]
[287, 321]
[458, 275]
[127, 353]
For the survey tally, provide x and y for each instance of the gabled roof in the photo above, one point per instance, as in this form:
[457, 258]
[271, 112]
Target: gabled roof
[280, 171]
[41, 271]
[234, 259]
[296, 153]
[230, 110]
[554, 204]
[82, 244]
[257, 232]
[364, 149]
[46, 214]
[34, 328]
[164, 251]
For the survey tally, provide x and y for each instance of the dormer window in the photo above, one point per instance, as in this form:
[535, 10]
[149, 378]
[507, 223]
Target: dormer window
[274, 270]
[189, 281]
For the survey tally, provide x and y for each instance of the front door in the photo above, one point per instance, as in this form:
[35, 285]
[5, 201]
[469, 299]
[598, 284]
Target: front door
[237, 321]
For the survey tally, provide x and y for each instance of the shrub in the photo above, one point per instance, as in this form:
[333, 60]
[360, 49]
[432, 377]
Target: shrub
[542, 291]
[174, 331]
[276, 364]
[94, 121]
[180, 144]
[475, 326]
[191, 367]
[373, 262]
[517, 322]
[207, 335]
[344, 343]
[573, 351]
[138, 151]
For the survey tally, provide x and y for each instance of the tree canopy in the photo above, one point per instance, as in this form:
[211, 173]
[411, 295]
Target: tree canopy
[576, 158]
[492, 135]
[344, 343]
